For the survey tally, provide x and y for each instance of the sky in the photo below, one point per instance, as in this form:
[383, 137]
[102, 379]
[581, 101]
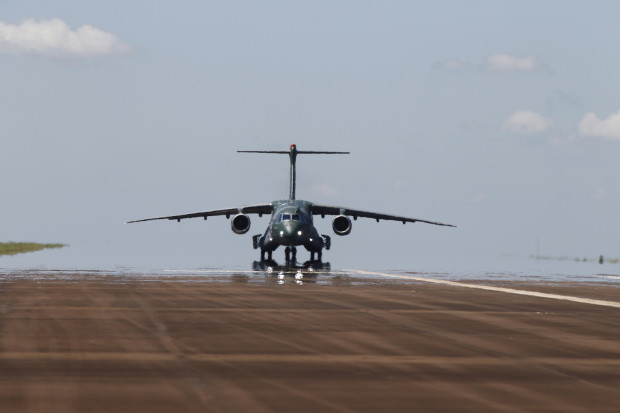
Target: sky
[500, 117]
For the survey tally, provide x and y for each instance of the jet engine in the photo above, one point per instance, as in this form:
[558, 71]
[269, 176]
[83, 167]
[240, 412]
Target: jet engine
[240, 224]
[342, 225]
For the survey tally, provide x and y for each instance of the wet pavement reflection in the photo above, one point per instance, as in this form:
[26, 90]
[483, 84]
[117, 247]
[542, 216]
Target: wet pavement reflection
[309, 272]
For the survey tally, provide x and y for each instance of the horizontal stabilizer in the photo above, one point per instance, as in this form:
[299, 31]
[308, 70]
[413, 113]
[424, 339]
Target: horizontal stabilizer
[292, 153]
[304, 152]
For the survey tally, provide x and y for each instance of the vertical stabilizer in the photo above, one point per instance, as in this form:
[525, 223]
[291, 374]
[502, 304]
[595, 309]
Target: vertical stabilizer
[293, 178]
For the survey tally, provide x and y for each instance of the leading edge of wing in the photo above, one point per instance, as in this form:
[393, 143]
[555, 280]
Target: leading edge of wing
[336, 210]
[250, 209]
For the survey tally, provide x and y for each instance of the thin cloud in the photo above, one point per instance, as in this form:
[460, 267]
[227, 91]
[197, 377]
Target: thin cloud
[526, 122]
[451, 65]
[495, 63]
[324, 190]
[54, 38]
[504, 63]
[472, 126]
[564, 140]
[600, 193]
[592, 125]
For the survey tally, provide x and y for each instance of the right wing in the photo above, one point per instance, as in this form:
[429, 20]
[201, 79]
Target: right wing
[323, 210]
[251, 209]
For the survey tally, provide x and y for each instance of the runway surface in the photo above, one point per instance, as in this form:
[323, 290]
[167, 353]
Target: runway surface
[342, 341]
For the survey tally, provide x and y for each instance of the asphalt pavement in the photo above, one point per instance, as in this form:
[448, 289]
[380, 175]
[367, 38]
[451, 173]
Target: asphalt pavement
[337, 341]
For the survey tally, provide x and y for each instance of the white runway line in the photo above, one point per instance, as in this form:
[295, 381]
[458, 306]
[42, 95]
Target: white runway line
[498, 289]
[613, 277]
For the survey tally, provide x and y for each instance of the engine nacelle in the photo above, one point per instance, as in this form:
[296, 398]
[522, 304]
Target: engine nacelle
[240, 224]
[342, 225]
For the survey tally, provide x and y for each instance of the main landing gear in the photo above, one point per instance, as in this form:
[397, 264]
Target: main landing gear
[320, 255]
[290, 255]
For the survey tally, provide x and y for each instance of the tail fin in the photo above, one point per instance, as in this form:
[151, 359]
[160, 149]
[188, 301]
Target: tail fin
[293, 152]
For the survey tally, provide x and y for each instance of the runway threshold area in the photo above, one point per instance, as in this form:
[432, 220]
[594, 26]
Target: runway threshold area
[82, 342]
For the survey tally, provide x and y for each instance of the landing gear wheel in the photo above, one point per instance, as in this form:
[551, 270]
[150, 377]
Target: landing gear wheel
[287, 254]
[312, 256]
[320, 255]
[294, 251]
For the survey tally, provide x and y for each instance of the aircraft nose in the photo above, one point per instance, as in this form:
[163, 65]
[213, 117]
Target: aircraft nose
[291, 228]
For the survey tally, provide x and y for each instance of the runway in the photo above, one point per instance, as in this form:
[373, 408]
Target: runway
[341, 341]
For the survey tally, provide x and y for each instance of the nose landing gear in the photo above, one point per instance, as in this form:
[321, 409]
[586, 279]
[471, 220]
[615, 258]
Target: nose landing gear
[290, 251]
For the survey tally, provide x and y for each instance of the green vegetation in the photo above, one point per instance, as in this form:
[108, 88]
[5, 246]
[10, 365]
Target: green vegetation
[12, 248]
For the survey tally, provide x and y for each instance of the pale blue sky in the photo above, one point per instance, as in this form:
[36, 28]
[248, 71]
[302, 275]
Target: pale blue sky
[501, 117]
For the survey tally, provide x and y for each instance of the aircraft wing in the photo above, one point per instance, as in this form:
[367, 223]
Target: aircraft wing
[336, 210]
[250, 209]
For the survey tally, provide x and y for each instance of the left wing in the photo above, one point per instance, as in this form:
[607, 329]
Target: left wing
[336, 210]
[251, 209]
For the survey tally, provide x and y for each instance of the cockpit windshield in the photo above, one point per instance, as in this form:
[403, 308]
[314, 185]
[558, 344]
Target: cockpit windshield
[289, 217]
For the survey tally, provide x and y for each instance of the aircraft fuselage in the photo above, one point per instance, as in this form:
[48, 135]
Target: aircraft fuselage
[291, 225]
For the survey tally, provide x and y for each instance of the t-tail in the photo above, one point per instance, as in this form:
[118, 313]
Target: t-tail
[292, 153]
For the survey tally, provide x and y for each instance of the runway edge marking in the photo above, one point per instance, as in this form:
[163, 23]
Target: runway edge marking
[498, 289]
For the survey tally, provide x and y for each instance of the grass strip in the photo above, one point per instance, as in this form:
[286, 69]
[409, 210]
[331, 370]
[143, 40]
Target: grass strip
[12, 248]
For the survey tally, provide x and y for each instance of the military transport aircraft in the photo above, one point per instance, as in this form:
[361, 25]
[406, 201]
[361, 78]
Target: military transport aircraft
[291, 223]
